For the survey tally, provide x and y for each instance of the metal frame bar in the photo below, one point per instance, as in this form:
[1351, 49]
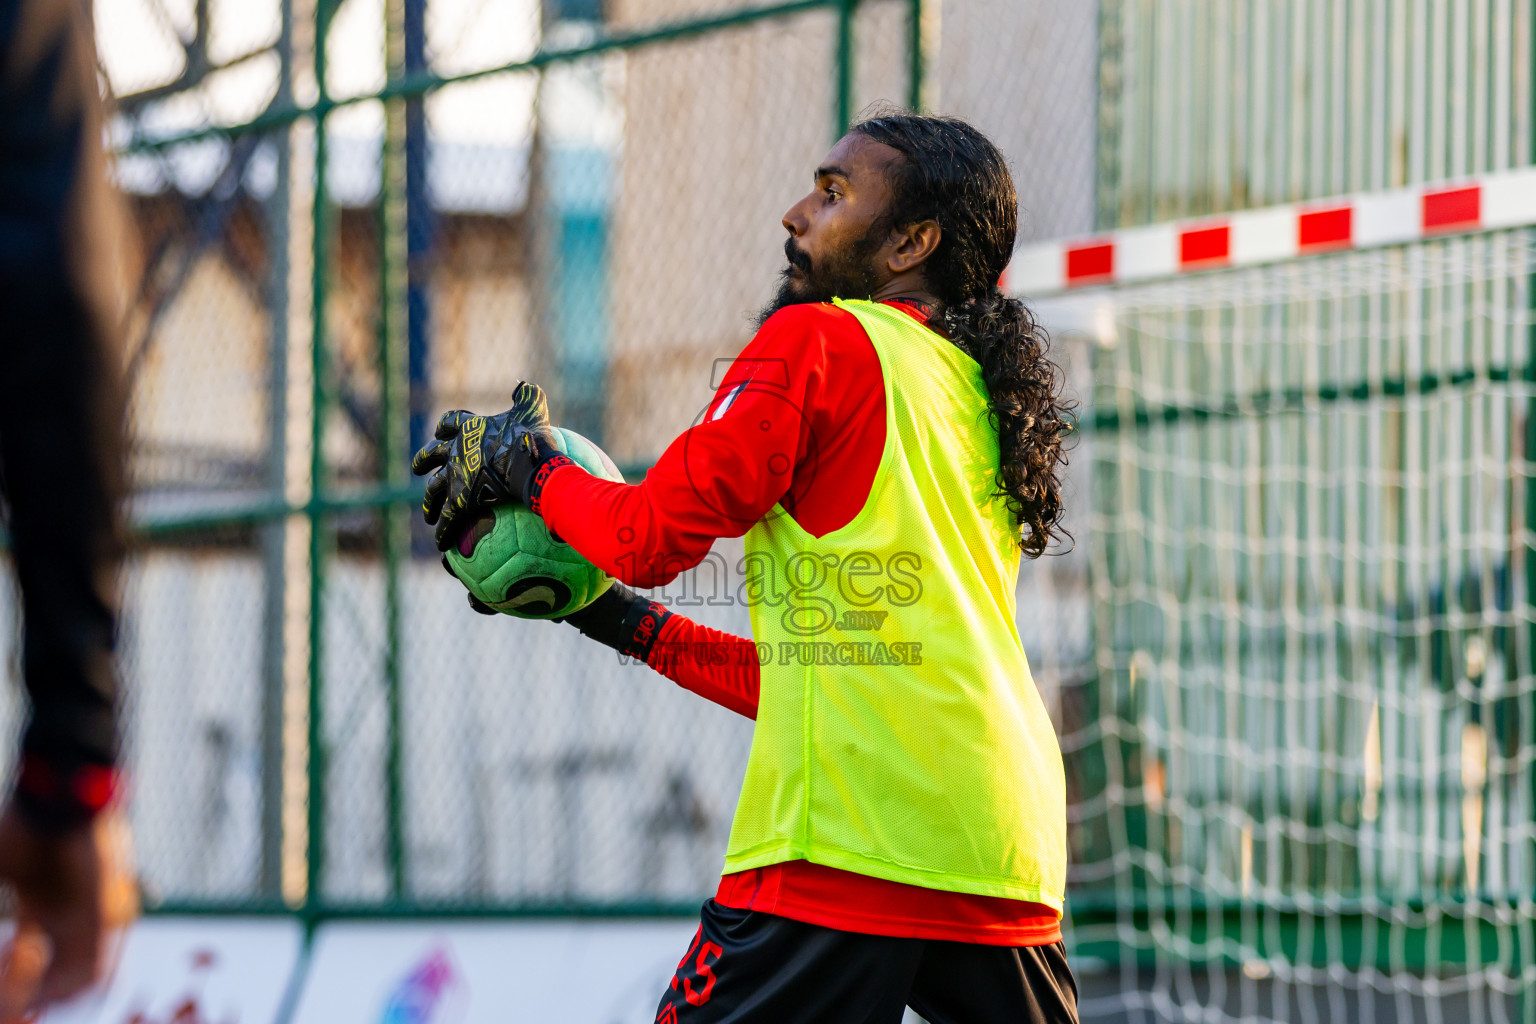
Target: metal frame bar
[1297, 400]
[916, 60]
[1526, 932]
[419, 85]
[394, 421]
[319, 292]
[843, 68]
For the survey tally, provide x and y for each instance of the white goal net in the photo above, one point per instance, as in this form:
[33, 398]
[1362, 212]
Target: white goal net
[1302, 769]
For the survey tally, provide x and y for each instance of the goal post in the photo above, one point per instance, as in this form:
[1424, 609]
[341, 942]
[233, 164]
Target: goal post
[1304, 771]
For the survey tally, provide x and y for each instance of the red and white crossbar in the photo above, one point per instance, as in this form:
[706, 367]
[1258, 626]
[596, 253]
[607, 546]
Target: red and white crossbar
[1251, 237]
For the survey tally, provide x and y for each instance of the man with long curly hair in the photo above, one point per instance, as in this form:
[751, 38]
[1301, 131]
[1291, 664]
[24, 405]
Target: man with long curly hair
[890, 443]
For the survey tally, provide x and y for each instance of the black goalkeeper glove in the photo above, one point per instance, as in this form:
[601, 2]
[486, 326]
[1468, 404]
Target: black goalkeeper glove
[623, 620]
[482, 461]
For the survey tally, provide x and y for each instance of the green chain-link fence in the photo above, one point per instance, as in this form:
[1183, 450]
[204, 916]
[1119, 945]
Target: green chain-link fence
[1292, 551]
[357, 215]
[354, 216]
[398, 231]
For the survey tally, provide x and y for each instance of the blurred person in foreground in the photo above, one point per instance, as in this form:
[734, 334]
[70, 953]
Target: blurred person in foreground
[63, 848]
[890, 443]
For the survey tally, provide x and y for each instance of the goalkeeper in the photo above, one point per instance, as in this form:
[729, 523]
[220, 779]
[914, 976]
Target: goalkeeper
[890, 443]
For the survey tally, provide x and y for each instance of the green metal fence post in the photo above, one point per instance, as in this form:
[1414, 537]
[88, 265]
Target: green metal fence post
[915, 61]
[1107, 117]
[844, 66]
[1527, 936]
[393, 420]
[320, 254]
[1526, 666]
[273, 532]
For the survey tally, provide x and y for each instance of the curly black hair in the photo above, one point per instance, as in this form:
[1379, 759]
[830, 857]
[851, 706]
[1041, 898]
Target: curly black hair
[953, 175]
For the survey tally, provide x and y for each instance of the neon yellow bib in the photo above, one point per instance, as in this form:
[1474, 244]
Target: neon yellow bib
[899, 734]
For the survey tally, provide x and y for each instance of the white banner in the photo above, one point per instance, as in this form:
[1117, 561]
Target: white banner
[193, 970]
[582, 972]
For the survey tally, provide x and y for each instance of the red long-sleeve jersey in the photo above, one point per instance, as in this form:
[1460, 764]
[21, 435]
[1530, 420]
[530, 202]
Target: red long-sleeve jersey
[798, 422]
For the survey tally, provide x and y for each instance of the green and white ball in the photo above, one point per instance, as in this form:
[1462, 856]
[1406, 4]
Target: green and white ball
[509, 560]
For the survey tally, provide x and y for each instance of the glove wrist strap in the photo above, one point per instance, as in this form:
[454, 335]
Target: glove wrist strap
[533, 487]
[623, 620]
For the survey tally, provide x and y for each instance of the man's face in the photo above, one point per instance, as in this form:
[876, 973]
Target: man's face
[839, 232]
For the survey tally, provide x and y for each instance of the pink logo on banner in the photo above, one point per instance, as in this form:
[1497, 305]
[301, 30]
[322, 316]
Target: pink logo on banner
[425, 995]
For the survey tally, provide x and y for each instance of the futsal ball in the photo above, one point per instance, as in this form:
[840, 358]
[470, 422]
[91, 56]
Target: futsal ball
[510, 561]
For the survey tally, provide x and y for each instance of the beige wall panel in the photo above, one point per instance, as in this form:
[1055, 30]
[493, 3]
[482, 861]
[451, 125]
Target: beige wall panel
[721, 137]
[201, 385]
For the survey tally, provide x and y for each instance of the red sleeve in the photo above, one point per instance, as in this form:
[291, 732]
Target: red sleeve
[717, 666]
[799, 419]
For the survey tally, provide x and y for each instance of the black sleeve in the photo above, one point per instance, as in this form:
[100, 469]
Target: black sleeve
[61, 406]
[622, 619]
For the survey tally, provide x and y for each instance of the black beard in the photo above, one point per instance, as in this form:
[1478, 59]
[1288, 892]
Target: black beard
[846, 273]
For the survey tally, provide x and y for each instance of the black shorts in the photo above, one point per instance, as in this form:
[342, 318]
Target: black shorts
[746, 967]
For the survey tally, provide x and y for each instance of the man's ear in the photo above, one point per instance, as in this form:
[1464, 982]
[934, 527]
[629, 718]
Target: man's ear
[914, 244]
